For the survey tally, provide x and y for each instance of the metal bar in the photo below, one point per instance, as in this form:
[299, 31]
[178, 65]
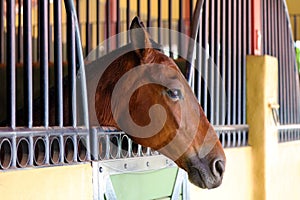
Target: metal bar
[159, 20]
[72, 70]
[194, 33]
[289, 127]
[205, 55]
[268, 21]
[81, 71]
[217, 55]
[170, 28]
[78, 11]
[118, 24]
[272, 32]
[108, 24]
[264, 26]
[28, 89]
[245, 51]
[223, 61]
[211, 61]
[49, 32]
[128, 18]
[149, 13]
[58, 63]
[43, 32]
[285, 74]
[280, 58]
[234, 59]
[19, 50]
[87, 29]
[180, 27]
[228, 128]
[196, 77]
[191, 13]
[138, 8]
[228, 60]
[11, 64]
[249, 26]
[2, 31]
[98, 22]
[240, 92]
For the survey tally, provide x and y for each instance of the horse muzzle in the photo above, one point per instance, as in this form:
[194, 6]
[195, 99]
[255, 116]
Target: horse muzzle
[206, 174]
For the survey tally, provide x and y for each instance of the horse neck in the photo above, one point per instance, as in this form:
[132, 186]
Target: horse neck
[106, 85]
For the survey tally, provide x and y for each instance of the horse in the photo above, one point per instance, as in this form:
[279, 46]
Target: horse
[140, 90]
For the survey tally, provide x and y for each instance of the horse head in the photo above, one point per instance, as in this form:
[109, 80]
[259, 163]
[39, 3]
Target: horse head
[143, 93]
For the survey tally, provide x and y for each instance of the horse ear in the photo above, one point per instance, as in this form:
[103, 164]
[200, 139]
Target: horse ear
[139, 37]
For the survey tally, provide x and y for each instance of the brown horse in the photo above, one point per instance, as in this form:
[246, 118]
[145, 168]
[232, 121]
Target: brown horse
[141, 91]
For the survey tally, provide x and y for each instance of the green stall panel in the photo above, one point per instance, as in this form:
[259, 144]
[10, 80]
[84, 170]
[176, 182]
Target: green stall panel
[158, 184]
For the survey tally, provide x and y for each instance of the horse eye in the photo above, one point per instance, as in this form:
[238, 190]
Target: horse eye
[174, 94]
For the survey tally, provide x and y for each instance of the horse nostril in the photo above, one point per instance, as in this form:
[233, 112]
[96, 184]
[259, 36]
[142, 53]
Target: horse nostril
[218, 168]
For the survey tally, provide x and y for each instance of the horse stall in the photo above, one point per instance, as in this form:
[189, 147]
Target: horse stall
[241, 67]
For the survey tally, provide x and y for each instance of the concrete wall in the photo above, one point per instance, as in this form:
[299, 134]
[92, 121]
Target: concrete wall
[237, 183]
[61, 182]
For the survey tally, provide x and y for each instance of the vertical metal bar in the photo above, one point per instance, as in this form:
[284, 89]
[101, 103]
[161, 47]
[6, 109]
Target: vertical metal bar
[223, 62]
[78, 11]
[180, 26]
[138, 8]
[248, 21]
[191, 12]
[239, 63]
[118, 24]
[11, 64]
[43, 32]
[291, 90]
[19, 50]
[49, 33]
[58, 63]
[285, 75]
[228, 60]
[280, 77]
[269, 27]
[211, 38]
[273, 16]
[170, 28]
[197, 76]
[245, 50]
[28, 94]
[69, 4]
[234, 59]
[108, 24]
[204, 57]
[265, 28]
[97, 26]
[72, 69]
[128, 14]
[149, 13]
[128, 18]
[87, 29]
[217, 55]
[2, 31]
[159, 20]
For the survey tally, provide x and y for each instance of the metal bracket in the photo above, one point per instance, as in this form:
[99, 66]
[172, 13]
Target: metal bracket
[275, 112]
[181, 183]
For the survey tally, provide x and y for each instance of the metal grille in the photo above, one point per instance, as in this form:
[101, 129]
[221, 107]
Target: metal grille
[278, 42]
[39, 126]
[219, 80]
[48, 76]
[224, 41]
